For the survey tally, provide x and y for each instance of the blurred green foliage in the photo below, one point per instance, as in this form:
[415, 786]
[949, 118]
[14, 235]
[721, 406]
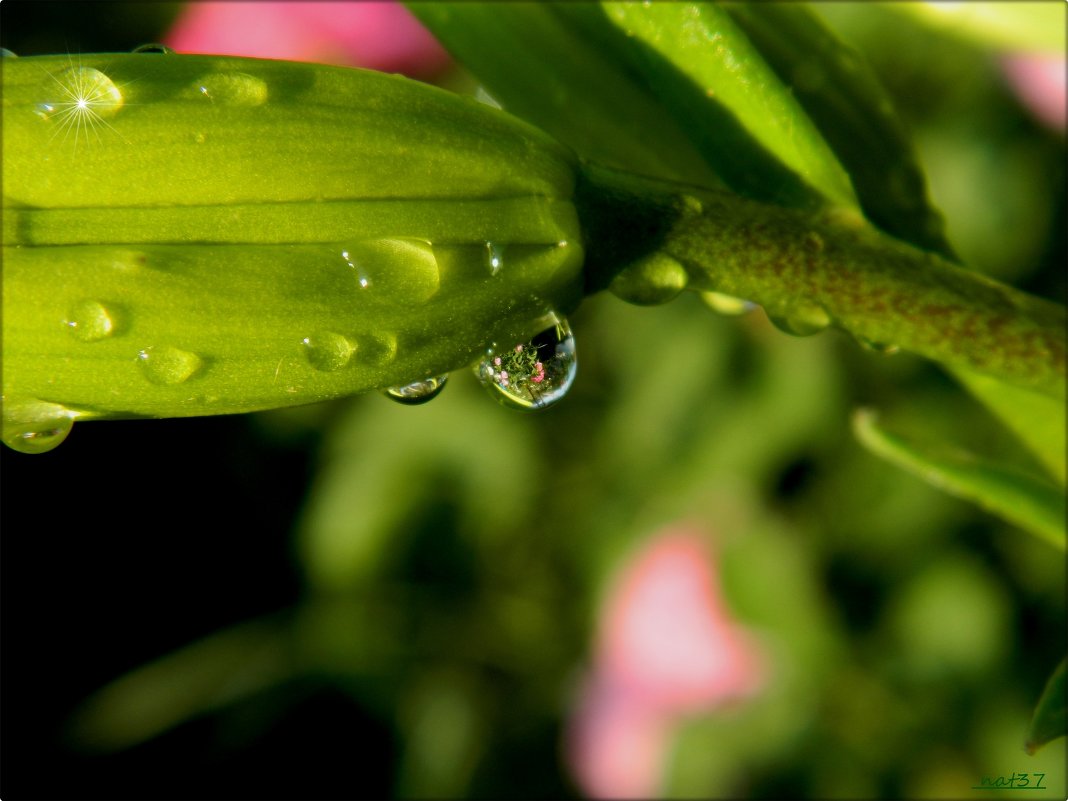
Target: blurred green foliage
[452, 556]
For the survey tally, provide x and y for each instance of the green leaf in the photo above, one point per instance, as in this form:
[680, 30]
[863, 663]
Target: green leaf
[843, 97]
[1037, 419]
[221, 669]
[1025, 500]
[752, 129]
[1049, 721]
[1028, 27]
[559, 67]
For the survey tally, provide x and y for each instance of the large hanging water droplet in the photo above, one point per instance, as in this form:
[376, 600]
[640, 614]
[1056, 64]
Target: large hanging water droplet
[230, 88]
[328, 351]
[653, 280]
[534, 374]
[417, 392]
[5, 53]
[726, 304]
[90, 321]
[168, 365]
[34, 426]
[802, 321]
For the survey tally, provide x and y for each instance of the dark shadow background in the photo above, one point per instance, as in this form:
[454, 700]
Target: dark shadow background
[89, 585]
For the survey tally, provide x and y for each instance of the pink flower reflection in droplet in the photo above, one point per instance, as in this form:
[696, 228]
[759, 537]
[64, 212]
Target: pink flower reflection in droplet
[666, 648]
[378, 35]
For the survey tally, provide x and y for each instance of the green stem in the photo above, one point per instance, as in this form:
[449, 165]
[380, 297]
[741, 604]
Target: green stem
[828, 265]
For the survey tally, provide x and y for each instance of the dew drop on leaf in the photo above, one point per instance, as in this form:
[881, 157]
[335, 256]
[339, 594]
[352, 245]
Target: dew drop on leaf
[34, 426]
[327, 351]
[377, 348]
[168, 365]
[230, 88]
[153, 47]
[726, 304]
[534, 374]
[79, 101]
[802, 322]
[650, 281]
[90, 321]
[398, 271]
[883, 348]
[417, 392]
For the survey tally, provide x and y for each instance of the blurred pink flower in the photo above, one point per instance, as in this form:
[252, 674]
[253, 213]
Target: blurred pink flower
[377, 35]
[666, 648]
[1041, 84]
[616, 747]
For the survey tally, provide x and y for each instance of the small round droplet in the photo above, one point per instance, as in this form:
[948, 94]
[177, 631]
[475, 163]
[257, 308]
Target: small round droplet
[417, 392]
[378, 349]
[154, 47]
[90, 321]
[726, 304]
[327, 351]
[168, 365]
[79, 98]
[882, 348]
[534, 374]
[34, 426]
[232, 88]
[650, 281]
[494, 257]
[802, 321]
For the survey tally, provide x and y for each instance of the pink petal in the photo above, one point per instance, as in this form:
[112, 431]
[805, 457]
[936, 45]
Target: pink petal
[377, 35]
[616, 748]
[1040, 83]
[666, 635]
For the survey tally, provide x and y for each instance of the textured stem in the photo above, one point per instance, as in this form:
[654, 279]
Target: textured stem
[830, 265]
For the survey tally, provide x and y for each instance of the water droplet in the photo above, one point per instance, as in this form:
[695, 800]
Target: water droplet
[399, 270]
[727, 304]
[90, 321]
[417, 392]
[802, 321]
[652, 280]
[328, 351]
[359, 267]
[81, 100]
[233, 88]
[5, 53]
[534, 374]
[154, 47]
[883, 348]
[377, 349]
[34, 426]
[169, 365]
[494, 257]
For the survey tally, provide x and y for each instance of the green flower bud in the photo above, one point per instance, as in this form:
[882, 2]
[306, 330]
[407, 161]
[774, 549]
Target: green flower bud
[188, 235]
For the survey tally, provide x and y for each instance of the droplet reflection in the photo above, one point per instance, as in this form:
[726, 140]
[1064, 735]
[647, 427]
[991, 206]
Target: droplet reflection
[531, 375]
